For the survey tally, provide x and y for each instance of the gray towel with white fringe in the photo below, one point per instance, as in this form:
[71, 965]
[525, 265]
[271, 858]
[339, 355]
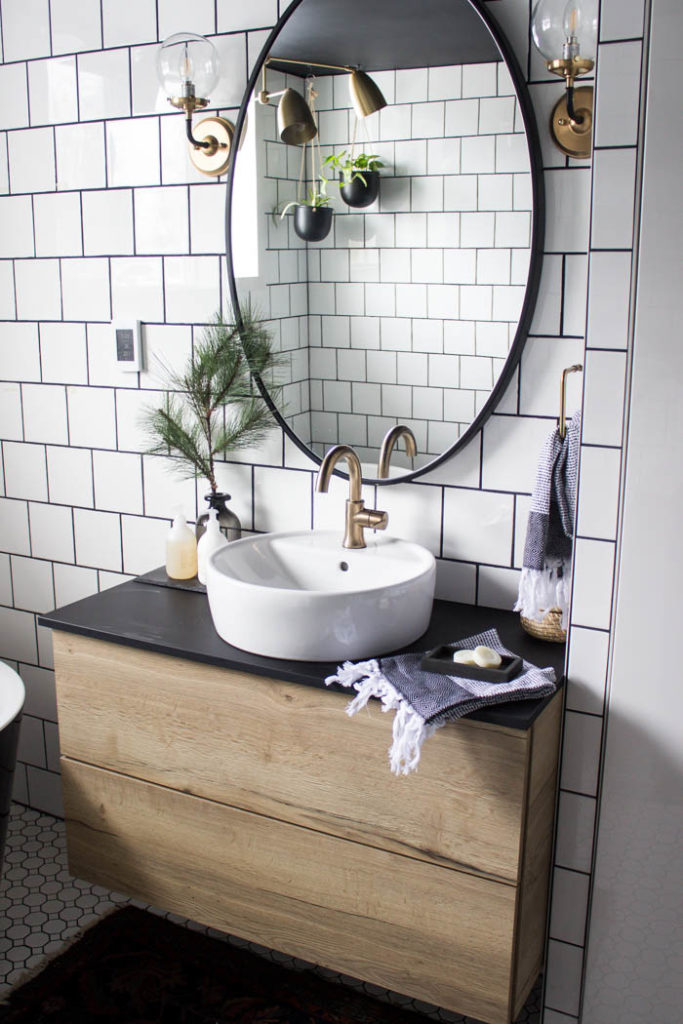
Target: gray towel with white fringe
[545, 582]
[424, 701]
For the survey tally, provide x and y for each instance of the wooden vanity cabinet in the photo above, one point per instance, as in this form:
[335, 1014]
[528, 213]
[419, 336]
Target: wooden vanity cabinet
[258, 807]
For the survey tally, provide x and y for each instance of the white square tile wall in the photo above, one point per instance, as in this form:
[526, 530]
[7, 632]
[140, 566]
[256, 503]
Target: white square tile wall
[427, 248]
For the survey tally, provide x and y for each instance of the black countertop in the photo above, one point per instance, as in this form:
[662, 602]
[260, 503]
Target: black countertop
[178, 623]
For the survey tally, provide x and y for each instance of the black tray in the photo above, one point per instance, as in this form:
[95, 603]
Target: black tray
[441, 660]
[160, 578]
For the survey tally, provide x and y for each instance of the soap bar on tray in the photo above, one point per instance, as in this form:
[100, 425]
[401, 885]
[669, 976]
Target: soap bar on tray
[441, 660]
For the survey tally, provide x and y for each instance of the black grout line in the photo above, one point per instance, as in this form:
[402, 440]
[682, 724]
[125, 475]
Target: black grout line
[129, 53]
[101, 46]
[28, 96]
[608, 149]
[78, 87]
[577, 792]
[587, 714]
[43, 723]
[593, 629]
[618, 42]
[573, 871]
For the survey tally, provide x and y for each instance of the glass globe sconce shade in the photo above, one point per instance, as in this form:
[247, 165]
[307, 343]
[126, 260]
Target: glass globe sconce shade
[565, 33]
[188, 69]
[187, 62]
[565, 29]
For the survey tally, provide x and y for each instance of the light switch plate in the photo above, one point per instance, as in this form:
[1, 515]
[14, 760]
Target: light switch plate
[128, 344]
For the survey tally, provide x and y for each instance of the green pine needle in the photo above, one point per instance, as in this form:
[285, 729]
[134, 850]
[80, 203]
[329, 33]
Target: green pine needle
[214, 406]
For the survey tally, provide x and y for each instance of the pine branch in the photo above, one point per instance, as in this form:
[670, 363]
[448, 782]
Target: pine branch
[172, 435]
[218, 376]
[246, 425]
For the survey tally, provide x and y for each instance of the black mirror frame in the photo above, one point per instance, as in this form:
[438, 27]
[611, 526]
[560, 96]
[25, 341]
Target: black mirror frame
[535, 261]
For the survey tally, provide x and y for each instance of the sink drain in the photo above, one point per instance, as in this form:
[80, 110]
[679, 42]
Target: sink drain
[344, 566]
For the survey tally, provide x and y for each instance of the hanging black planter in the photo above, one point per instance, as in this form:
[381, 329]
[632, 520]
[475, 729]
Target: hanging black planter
[358, 194]
[312, 223]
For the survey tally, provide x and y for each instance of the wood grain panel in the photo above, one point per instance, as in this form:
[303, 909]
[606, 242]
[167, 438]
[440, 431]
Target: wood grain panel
[410, 926]
[536, 854]
[290, 752]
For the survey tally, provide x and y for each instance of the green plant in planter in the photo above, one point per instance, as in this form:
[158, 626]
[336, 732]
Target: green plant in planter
[315, 197]
[213, 406]
[353, 168]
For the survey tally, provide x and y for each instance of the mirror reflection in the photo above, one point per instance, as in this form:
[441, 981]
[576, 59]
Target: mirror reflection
[405, 310]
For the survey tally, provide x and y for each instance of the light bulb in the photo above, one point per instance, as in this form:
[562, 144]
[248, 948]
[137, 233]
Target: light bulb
[571, 20]
[565, 29]
[187, 67]
[187, 64]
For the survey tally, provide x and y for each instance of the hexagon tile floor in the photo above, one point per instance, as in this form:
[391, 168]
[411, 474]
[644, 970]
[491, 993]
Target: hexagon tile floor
[42, 907]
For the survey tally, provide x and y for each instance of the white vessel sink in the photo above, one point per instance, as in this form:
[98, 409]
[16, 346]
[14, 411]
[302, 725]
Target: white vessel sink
[303, 596]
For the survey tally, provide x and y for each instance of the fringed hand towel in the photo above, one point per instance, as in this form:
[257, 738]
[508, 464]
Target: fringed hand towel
[546, 575]
[424, 701]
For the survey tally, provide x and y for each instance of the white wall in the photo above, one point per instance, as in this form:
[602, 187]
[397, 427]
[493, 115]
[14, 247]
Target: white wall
[633, 964]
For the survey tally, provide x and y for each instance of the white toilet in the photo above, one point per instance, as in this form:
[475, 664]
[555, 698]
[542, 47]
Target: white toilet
[12, 695]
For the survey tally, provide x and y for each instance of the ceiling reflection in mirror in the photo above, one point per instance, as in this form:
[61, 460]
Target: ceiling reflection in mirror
[408, 310]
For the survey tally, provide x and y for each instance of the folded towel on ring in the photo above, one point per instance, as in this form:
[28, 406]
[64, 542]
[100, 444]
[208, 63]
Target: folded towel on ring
[424, 701]
[545, 582]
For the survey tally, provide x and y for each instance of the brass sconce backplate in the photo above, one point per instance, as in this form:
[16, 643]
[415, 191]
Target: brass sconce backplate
[219, 133]
[574, 139]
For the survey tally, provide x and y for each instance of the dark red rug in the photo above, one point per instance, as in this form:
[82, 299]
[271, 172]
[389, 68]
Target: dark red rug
[135, 968]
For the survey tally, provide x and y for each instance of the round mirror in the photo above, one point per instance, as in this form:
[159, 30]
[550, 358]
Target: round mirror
[411, 303]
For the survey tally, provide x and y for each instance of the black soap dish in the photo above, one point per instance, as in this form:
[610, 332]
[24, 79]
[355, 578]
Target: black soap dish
[441, 660]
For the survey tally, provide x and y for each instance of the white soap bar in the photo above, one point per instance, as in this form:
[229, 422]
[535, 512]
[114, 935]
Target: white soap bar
[464, 657]
[486, 657]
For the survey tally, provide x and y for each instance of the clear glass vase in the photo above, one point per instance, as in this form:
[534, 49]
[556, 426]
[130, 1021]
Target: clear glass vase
[228, 522]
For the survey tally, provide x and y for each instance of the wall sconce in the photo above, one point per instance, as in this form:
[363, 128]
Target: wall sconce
[296, 128]
[188, 67]
[565, 32]
[295, 122]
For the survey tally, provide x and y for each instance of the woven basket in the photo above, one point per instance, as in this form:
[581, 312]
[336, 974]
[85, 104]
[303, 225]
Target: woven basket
[550, 628]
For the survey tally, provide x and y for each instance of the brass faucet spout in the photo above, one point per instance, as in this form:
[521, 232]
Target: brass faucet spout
[358, 518]
[332, 457]
[387, 448]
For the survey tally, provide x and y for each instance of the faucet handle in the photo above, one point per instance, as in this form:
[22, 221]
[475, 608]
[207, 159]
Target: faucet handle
[371, 519]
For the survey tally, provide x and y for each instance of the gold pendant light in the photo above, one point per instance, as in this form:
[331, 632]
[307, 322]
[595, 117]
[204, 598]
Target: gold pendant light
[295, 122]
[366, 95]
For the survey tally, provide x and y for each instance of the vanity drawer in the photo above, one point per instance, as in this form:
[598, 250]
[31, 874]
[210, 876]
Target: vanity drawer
[289, 751]
[398, 922]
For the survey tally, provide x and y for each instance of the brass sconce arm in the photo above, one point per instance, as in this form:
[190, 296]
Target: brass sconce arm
[570, 68]
[189, 103]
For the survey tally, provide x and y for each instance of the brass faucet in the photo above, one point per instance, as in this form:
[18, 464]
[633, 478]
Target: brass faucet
[358, 518]
[387, 448]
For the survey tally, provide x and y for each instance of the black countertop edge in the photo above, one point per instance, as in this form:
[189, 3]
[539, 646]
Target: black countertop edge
[178, 623]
